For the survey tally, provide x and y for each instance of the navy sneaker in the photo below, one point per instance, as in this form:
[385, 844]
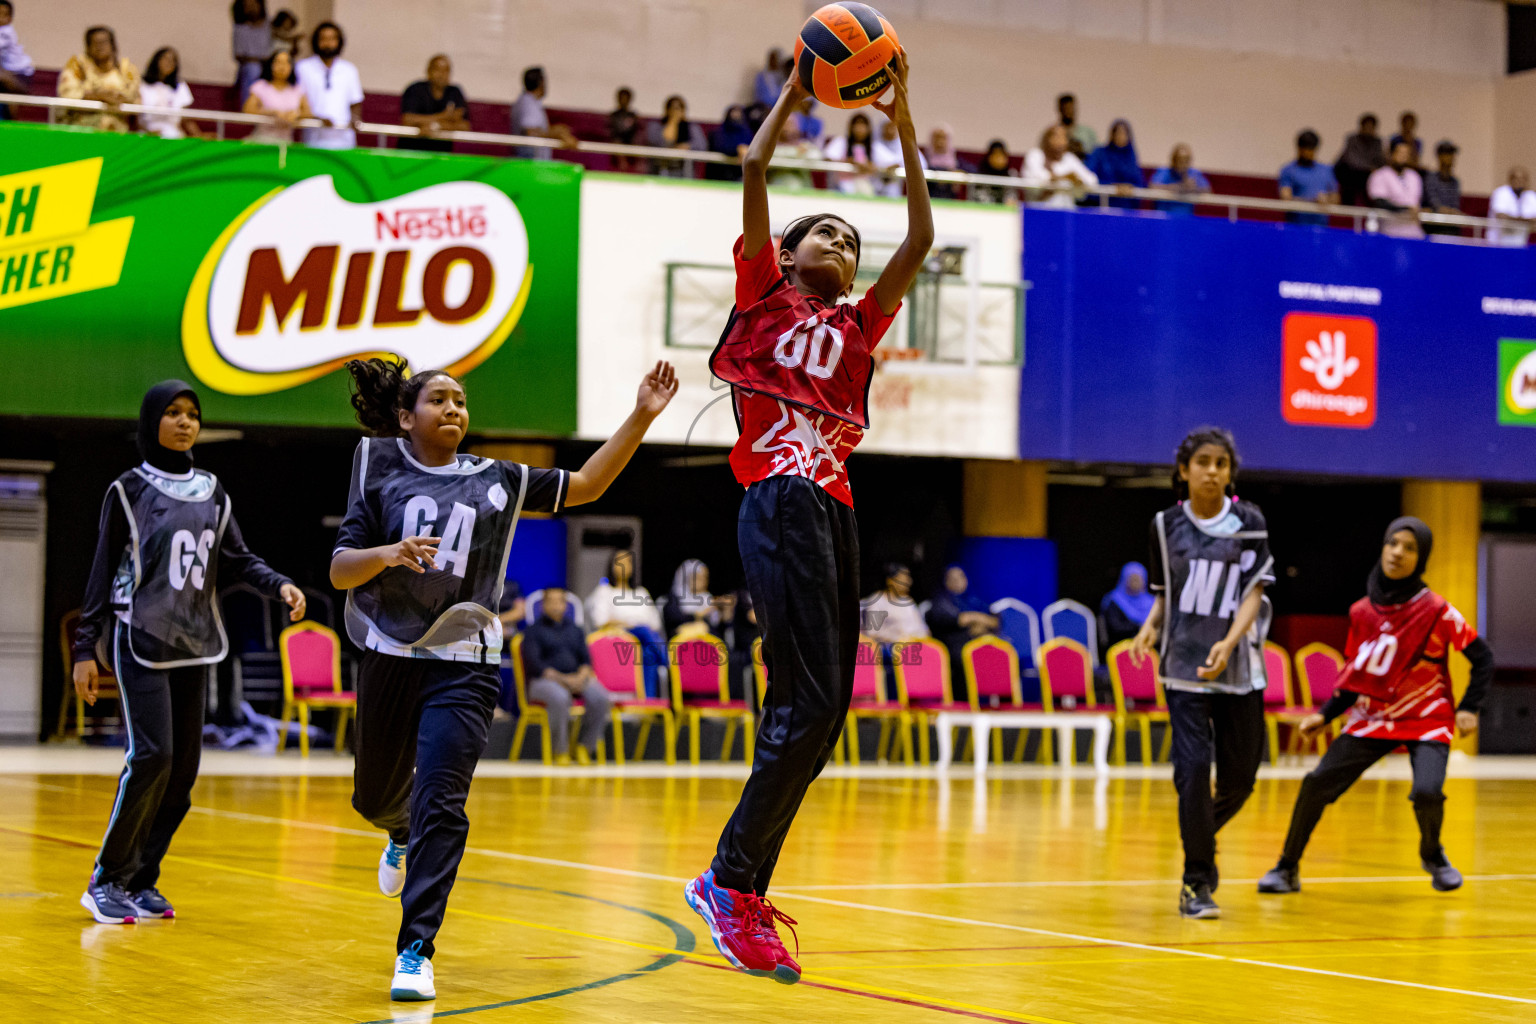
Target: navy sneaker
[108, 903]
[1281, 879]
[152, 904]
[1195, 902]
[1442, 876]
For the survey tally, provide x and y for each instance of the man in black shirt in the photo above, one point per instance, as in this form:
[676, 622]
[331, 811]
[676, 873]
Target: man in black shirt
[1442, 189]
[559, 669]
[434, 105]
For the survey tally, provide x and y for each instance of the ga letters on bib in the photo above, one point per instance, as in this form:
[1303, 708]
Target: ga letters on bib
[1396, 660]
[800, 373]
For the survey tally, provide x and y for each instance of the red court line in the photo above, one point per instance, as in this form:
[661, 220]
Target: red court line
[51, 839]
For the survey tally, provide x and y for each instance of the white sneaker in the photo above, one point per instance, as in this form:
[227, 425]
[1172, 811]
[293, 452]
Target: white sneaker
[413, 976]
[392, 869]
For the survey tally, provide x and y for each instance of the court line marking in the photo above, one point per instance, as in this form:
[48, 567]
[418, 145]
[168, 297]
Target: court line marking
[1124, 883]
[972, 922]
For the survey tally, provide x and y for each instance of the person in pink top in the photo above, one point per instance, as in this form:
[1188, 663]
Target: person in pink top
[1398, 187]
[277, 95]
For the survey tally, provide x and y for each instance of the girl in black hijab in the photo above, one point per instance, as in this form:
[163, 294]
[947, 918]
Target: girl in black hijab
[1396, 687]
[167, 538]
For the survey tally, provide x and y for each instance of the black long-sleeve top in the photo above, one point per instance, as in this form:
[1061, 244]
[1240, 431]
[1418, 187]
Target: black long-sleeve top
[236, 561]
[1478, 653]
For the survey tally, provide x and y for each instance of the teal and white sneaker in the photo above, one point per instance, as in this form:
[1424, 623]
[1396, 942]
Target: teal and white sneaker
[413, 977]
[392, 869]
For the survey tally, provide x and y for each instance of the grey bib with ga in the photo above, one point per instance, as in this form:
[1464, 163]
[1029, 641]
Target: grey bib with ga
[472, 507]
[166, 580]
[1209, 569]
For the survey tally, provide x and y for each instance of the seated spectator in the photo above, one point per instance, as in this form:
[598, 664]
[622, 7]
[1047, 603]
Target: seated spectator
[530, 118]
[1306, 179]
[1081, 139]
[956, 617]
[889, 615]
[790, 144]
[1516, 203]
[941, 156]
[16, 68]
[277, 95]
[673, 130]
[286, 35]
[333, 88]
[624, 129]
[996, 163]
[855, 148]
[806, 120]
[1362, 154]
[770, 81]
[1180, 176]
[1115, 163]
[691, 609]
[1442, 189]
[885, 154]
[1054, 164]
[163, 87]
[98, 74]
[559, 669]
[434, 105]
[619, 601]
[731, 139]
[1125, 608]
[1408, 132]
[252, 43]
[1397, 187]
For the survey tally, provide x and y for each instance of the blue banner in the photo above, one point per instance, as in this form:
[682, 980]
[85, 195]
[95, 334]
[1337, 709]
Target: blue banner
[1324, 351]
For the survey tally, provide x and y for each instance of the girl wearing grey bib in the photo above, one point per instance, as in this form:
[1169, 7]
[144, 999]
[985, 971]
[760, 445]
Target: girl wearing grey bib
[151, 611]
[1209, 565]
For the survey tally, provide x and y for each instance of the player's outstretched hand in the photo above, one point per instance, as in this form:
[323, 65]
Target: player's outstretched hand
[293, 597]
[896, 109]
[656, 389]
[411, 552]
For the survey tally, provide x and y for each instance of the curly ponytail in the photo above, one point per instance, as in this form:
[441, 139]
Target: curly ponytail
[381, 389]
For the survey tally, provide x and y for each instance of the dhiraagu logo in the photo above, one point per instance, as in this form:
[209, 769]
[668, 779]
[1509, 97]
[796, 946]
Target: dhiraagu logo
[1517, 382]
[304, 280]
[48, 246]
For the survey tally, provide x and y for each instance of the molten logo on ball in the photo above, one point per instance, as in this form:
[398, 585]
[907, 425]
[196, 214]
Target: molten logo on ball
[842, 54]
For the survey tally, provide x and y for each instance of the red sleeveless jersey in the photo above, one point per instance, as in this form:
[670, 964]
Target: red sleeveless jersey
[800, 373]
[1397, 660]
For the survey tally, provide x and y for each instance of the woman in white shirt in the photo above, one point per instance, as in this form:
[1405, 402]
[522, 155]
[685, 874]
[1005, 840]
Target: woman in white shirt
[1052, 163]
[619, 601]
[162, 87]
[854, 148]
[885, 154]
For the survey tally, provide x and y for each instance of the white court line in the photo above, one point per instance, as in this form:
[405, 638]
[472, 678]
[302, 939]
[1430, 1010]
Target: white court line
[1129, 883]
[972, 922]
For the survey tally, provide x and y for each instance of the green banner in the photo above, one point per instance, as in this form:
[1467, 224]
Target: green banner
[256, 271]
[1517, 382]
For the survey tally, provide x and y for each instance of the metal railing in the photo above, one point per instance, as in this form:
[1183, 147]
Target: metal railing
[1363, 219]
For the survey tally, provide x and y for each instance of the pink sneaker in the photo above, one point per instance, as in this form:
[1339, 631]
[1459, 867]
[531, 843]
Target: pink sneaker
[741, 925]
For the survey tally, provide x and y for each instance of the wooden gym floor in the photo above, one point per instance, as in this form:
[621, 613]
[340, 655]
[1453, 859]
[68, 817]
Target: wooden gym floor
[1036, 897]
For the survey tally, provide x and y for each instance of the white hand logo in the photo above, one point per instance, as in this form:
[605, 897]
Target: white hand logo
[1326, 360]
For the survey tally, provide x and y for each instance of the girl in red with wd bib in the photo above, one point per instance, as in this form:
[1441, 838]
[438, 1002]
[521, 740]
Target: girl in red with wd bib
[799, 363]
[1397, 689]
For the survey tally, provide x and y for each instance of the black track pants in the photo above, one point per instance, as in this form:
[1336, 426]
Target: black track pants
[1224, 729]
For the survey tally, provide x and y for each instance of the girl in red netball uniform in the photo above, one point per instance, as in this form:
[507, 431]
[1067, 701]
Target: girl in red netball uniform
[799, 362]
[1397, 689]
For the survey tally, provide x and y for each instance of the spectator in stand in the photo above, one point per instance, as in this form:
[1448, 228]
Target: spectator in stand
[674, 131]
[434, 104]
[1515, 202]
[99, 74]
[956, 617]
[559, 668]
[998, 164]
[809, 124]
[1408, 124]
[286, 35]
[731, 139]
[757, 113]
[16, 68]
[885, 154]
[790, 144]
[1306, 179]
[770, 81]
[1115, 163]
[333, 88]
[252, 43]
[530, 118]
[1081, 139]
[1053, 164]
[1180, 176]
[624, 129]
[1397, 187]
[941, 156]
[162, 87]
[691, 609]
[889, 615]
[1442, 189]
[1362, 154]
[277, 95]
[618, 601]
[857, 148]
[1125, 608]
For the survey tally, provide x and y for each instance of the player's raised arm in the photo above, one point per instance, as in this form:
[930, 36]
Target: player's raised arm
[902, 270]
[755, 232]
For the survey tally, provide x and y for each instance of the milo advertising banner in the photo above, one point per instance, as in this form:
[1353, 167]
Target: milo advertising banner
[257, 272]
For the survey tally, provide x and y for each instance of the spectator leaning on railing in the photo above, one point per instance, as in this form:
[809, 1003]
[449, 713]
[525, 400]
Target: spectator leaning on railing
[333, 87]
[99, 74]
[1362, 154]
[673, 130]
[1115, 163]
[1407, 131]
[530, 118]
[1513, 201]
[853, 148]
[1180, 176]
[1398, 188]
[1052, 163]
[731, 139]
[1442, 189]
[885, 153]
[163, 87]
[277, 95]
[1306, 179]
[434, 104]
[941, 156]
[15, 66]
[995, 163]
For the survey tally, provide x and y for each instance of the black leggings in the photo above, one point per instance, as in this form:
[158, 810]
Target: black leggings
[1224, 728]
[1346, 760]
[800, 549]
[421, 727]
[163, 709]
